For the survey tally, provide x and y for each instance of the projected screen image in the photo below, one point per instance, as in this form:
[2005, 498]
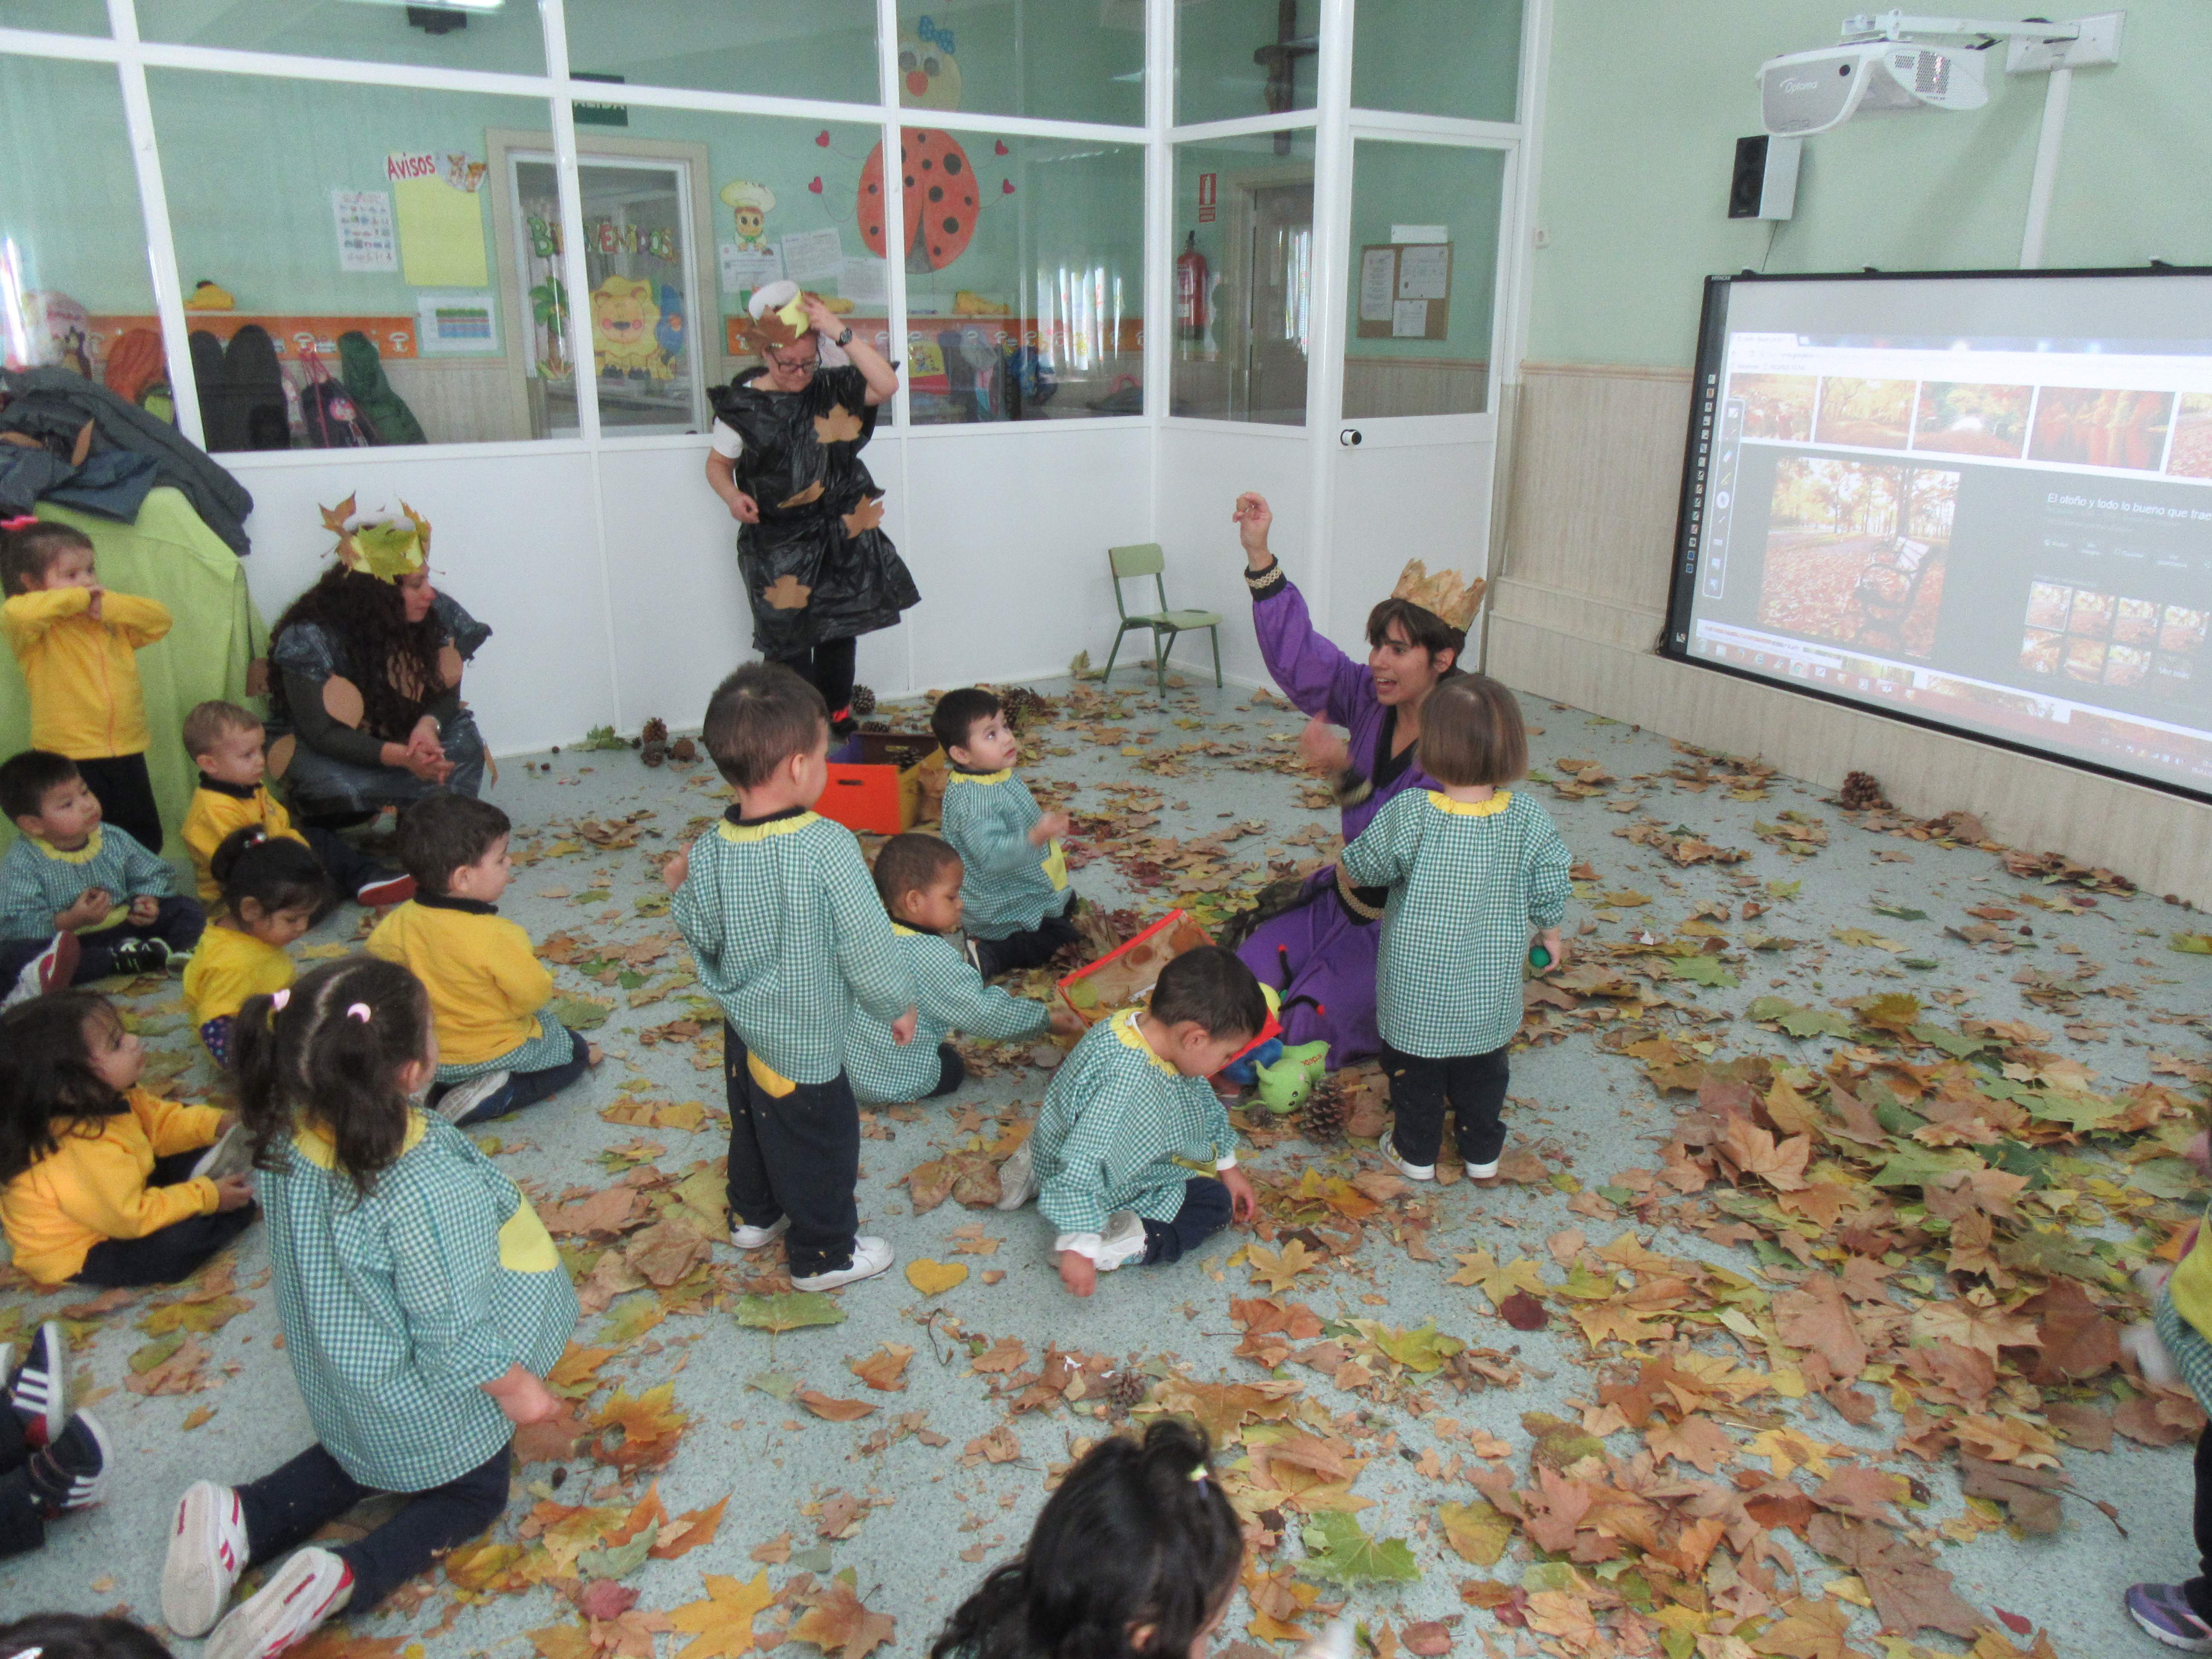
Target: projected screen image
[1981, 502]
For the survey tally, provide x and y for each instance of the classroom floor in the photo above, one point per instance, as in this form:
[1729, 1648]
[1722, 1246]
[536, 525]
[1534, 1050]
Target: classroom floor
[1359, 1449]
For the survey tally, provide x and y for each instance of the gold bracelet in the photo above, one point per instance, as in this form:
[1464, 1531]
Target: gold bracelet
[1256, 580]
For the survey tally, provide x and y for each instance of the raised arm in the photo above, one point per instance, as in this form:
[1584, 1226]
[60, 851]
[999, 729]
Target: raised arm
[882, 377]
[26, 618]
[1316, 677]
[142, 620]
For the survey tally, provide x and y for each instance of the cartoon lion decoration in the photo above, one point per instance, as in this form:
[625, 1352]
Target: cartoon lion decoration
[624, 322]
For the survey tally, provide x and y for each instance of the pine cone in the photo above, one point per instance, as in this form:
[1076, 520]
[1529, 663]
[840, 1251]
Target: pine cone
[656, 730]
[1128, 1388]
[1022, 705]
[875, 725]
[864, 700]
[1862, 793]
[1321, 1120]
[684, 750]
[653, 742]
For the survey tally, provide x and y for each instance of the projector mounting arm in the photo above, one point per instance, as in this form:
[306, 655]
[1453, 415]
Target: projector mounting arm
[1897, 26]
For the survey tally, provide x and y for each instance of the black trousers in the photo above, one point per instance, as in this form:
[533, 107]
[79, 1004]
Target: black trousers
[951, 1072]
[283, 1507]
[796, 1155]
[2197, 1591]
[524, 1089]
[349, 868]
[1471, 1087]
[1206, 1207]
[171, 1253]
[125, 794]
[22, 1518]
[829, 668]
[1032, 947]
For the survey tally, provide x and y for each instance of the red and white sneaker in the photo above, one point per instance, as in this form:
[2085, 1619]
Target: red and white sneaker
[49, 971]
[207, 1554]
[38, 1390]
[312, 1586]
[385, 890]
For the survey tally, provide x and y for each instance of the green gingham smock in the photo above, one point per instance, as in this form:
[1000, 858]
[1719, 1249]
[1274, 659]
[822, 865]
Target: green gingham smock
[1468, 881]
[1122, 1129]
[1009, 885]
[38, 881]
[951, 996]
[791, 938]
[398, 1306]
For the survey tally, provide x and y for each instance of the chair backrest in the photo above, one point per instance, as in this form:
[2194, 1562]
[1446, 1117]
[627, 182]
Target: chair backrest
[1138, 559]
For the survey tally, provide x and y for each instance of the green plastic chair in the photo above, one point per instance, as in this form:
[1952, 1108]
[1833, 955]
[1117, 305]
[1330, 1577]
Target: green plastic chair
[1146, 559]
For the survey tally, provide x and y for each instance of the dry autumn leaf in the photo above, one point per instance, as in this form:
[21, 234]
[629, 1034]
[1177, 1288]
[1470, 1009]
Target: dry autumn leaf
[934, 1278]
[721, 1626]
[885, 1368]
[1276, 1269]
[838, 1623]
[837, 1410]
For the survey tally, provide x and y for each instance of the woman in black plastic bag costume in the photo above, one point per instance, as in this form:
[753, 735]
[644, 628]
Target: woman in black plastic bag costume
[818, 568]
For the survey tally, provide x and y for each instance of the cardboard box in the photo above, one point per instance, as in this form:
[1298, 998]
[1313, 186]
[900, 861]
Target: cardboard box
[884, 793]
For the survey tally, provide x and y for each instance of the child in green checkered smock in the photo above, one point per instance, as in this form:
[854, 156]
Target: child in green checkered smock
[919, 879]
[1019, 908]
[1132, 1159]
[422, 1303]
[1471, 869]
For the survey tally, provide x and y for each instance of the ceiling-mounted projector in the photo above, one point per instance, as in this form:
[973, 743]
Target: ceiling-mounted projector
[1813, 91]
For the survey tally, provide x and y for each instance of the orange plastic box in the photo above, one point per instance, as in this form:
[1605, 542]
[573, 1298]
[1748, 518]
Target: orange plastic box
[881, 793]
[1121, 977]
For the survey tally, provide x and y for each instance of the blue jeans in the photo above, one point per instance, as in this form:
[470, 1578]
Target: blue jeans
[524, 1089]
[1206, 1207]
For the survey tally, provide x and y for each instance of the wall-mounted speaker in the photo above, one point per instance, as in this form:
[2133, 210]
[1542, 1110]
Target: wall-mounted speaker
[1765, 184]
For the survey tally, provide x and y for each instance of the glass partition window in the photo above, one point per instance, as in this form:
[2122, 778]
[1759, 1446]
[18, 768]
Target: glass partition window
[1422, 285]
[789, 49]
[75, 289]
[1241, 57]
[1066, 61]
[57, 16]
[500, 35]
[1456, 57]
[1244, 278]
[336, 247]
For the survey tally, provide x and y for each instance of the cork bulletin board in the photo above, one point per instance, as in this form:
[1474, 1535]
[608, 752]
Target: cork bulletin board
[1405, 290]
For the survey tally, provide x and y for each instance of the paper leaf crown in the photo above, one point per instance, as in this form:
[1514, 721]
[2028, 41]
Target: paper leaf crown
[386, 548]
[779, 314]
[1444, 593]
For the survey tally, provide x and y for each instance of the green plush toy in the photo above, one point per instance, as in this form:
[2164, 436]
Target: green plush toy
[1284, 1085]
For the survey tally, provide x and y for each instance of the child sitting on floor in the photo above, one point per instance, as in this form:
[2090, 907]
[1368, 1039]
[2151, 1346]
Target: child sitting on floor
[78, 644]
[422, 1303]
[1129, 1116]
[792, 941]
[52, 1461]
[272, 890]
[1471, 869]
[69, 873]
[1019, 906]
[228, 745]
[98, 1177]
[498, 1049]
[919, 879]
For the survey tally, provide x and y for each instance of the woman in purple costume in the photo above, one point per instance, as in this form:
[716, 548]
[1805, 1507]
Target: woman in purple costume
[1320, 953]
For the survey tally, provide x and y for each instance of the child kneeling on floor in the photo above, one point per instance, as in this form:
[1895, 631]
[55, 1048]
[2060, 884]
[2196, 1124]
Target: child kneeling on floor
[98, 1172]
[422, 1302]
[1471, 869]
[777, 906]
[918, 879]
[1130, 1116]
[498, 1049]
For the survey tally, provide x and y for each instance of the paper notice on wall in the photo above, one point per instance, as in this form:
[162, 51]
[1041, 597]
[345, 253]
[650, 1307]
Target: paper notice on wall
[367, 240]
[744, 269]
[865, 282]
[814, 256]
[1425, 272]
[465, 325]
[1378, 277]
[441, 238]
[1409, 319]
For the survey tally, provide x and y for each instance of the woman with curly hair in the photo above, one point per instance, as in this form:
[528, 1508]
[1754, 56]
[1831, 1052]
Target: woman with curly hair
[367, 676]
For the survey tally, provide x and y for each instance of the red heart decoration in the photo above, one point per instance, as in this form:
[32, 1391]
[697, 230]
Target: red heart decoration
[1006, 187]
[823, 137]
[816, 185]
[1002, 147]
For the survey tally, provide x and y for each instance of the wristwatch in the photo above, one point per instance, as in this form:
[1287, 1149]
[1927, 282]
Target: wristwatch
[846, 338]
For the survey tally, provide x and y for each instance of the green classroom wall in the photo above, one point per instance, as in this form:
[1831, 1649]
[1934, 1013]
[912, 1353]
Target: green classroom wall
[1460, 58]
[1394, 183]
[71, 201]
[1645, 104]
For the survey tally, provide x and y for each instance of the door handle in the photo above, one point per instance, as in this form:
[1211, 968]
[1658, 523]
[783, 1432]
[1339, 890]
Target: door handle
[1349, 437]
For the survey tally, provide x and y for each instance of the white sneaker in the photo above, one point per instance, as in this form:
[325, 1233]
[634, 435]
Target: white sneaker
[1018, 1181]
[206, 1554]
[2147, 1349]
[50, 970]
[1411, 1171]
[1483, 1171]
[870, 1257]
[759, 1238]
[1123, 1241]
[457, 1102]
[311, 1586]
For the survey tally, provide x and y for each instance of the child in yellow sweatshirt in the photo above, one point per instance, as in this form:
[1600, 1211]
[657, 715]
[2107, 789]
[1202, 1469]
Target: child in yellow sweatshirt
[98, 1172]
[77, 644]
[497, 1049]
[272, 890]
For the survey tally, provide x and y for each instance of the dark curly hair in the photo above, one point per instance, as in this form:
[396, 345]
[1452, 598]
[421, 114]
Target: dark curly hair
[400, 674]
[48, 1088]
[1134, 1542]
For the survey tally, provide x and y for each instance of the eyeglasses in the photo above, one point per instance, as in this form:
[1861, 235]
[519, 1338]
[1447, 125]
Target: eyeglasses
[793, 364]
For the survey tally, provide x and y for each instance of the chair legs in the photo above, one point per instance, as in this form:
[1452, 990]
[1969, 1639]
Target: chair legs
[1160, 660]
[1109, 673]
[1214, 633]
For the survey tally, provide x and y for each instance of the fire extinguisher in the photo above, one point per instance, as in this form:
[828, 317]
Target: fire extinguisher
[1190, 291]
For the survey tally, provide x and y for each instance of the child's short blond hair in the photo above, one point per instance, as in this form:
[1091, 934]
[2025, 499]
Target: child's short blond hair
[209, 723]
[1472, 732]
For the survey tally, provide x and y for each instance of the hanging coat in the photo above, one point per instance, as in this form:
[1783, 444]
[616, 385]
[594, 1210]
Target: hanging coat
[817, 566]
